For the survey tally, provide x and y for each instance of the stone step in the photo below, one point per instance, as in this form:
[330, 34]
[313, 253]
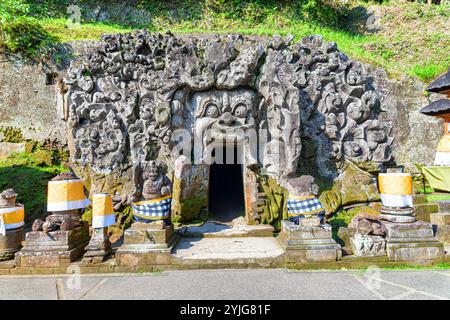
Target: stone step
[444, 205]
[440, 218]
[238, 228]
[424, 210]
[232, 252]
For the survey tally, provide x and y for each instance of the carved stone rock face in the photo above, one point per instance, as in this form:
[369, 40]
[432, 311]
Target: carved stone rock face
[130, 95]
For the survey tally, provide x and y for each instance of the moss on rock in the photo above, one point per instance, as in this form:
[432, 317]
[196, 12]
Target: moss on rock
[11, 134]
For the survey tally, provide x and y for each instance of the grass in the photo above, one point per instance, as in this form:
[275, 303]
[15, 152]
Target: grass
[411, 41]
[28, 173]
[438, 197]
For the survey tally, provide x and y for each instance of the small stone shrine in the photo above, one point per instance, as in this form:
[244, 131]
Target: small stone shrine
[62, 237]
[305, 237]
[151, 237]
[406, 238]
[11, 224]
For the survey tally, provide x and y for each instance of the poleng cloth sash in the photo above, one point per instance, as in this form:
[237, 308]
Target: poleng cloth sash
[154, 209]
[304, 205]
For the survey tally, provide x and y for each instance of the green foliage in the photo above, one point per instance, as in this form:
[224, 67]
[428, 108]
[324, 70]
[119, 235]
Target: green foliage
[10, 9]
[11, 134]
[427, 72]
[26, 36]
[28, 174]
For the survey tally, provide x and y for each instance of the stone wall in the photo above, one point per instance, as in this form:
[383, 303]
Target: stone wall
[27, 102]
[28, 96]
[416, 135]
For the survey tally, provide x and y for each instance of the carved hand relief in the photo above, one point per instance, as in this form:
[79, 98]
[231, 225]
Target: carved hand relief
[134, 91]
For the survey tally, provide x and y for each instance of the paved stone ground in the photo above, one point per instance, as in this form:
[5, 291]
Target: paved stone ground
[235, 284]
[228, 248]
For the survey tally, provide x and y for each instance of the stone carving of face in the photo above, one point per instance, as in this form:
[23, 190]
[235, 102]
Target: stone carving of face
[152, 171]
[226, 114]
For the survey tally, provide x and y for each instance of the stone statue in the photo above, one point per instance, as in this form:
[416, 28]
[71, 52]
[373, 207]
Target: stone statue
[11, 232]
[150, 181]
[303, 206]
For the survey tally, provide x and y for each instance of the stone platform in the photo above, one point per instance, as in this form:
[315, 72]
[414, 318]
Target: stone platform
[146, 244]
[308, 244]
[53, 249]
[412, 242]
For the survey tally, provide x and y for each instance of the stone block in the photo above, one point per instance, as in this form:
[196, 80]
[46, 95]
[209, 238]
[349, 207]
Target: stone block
[440, 218]
[424, 210]
[308, 244]
[443, 233]
[57, 240]
[344, 235]
[444, 205]
[141, 233]
[51, 258]
[415, 251]
[368, 246]
[143, 258]
[292, 232]
[418, 230]
[146, 244]
[311, 255]
[412, 242]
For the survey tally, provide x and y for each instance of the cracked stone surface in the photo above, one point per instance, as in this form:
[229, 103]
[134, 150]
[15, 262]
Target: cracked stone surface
[227, 248]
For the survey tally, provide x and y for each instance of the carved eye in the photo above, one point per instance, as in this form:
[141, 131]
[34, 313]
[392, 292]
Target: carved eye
[240, 111]
[212, 111]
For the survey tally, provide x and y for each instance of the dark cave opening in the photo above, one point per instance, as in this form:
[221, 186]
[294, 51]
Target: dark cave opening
[226, 189]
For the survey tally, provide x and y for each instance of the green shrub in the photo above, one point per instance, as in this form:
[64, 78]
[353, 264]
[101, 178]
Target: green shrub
[9, 9]
[26, 36]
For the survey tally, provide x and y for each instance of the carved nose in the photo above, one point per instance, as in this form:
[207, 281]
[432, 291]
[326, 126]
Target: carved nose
[227, 119]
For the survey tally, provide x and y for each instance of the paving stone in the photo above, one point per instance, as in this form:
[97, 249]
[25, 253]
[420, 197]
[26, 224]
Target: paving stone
[239, 250]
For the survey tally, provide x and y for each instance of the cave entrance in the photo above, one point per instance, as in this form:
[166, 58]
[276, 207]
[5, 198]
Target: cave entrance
[226, 187]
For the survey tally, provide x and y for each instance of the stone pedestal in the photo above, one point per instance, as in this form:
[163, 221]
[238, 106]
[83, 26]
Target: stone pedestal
[10, 243]
[412, 242]
[308, 244]
[368, 245]
[147, 244]
[53, 249]
[98, 248]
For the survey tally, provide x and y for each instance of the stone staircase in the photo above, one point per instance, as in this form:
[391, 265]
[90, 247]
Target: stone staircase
[234, 244]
